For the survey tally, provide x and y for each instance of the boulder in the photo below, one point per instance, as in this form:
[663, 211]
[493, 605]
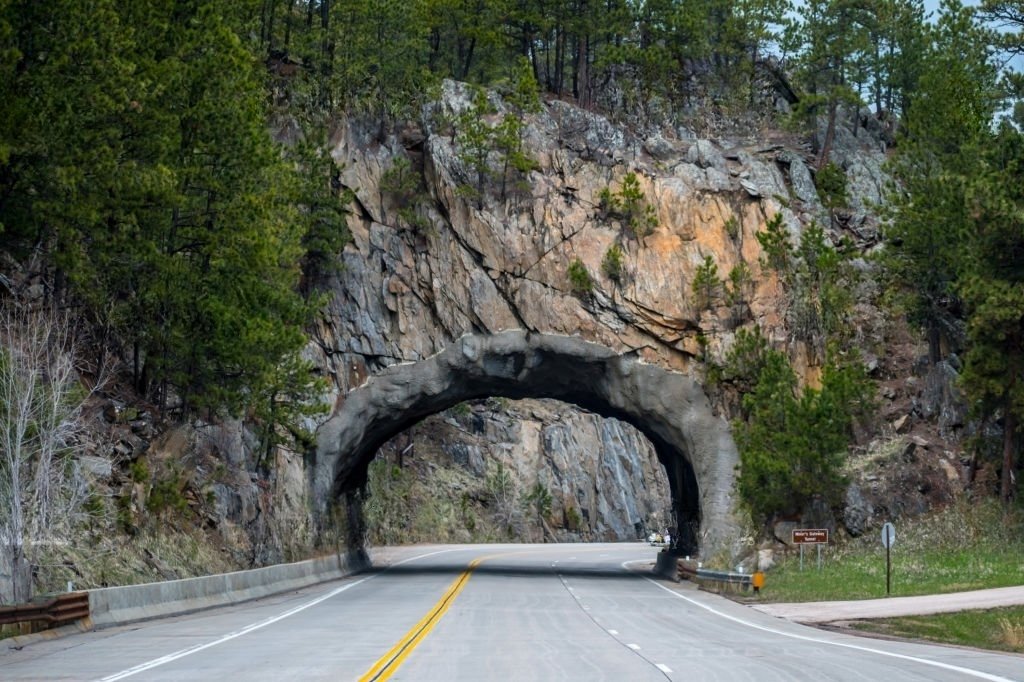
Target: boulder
[857, 511]
[705, 154]
[97, 467]
[942, 399]
[800, 178]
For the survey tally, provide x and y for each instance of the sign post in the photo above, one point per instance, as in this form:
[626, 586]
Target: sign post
[810, 536]
[888, 540]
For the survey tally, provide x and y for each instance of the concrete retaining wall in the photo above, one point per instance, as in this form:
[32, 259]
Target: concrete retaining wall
[116, 605]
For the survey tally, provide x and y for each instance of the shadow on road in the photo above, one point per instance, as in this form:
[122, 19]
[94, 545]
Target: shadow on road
[495, 567]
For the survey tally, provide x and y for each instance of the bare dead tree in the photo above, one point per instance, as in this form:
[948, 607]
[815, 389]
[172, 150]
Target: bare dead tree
[41, 400]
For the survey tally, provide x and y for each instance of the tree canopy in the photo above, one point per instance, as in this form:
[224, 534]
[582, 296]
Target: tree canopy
[139, 174]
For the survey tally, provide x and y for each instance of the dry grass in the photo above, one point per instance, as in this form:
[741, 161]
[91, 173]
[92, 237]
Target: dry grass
[1012, 633]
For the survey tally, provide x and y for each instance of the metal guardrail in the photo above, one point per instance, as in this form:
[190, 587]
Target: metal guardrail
[60, 610]
[714, 579]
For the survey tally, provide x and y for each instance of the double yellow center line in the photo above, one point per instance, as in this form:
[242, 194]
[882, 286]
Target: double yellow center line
[387, 664]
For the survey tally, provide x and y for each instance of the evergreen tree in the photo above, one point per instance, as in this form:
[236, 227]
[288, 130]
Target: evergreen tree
[475, 141]
[895, 57]
[612, 263]
[162, 207]
[946, 121]
[830, 41]
[706, 285]
[793, 443]
[992, 287]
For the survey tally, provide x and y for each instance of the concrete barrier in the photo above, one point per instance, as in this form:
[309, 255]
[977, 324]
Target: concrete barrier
[665, 566]
[117, 605]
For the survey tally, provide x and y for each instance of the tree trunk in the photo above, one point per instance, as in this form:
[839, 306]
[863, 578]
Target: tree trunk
[1009, 476]
[15, 576]
[830, 133]
[583, 73]
[934, 344]
[559, 60]
[468, 62]
[269, 23]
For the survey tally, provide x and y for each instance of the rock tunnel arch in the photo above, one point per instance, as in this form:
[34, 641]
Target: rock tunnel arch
[670, 409]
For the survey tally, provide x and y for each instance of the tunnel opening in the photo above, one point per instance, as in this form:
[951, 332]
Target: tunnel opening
[670, 410]
[519, 470]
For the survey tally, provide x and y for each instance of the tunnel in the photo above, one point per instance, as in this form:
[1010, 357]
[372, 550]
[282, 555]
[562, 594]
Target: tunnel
[669, 408]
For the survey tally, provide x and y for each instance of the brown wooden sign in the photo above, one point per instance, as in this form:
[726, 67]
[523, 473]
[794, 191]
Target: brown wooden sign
[810, 536]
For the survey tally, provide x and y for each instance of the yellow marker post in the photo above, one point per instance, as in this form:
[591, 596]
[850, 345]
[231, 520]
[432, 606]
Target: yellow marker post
[757, 580]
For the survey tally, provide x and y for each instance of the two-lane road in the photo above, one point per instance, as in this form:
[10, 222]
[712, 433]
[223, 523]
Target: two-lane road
[494, 612]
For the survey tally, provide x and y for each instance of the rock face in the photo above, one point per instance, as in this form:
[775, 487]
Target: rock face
[604, 477]
[423, 271]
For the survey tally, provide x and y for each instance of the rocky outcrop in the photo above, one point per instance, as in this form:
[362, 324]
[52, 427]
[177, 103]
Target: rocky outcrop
[456, 258]
[942, 401]
[405, 292]
[604, 477]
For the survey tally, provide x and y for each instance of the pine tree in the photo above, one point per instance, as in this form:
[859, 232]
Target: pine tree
[706, 285]
[162, 208]
[928, 217]
[830, 43]
[793, 443]
[992, 287]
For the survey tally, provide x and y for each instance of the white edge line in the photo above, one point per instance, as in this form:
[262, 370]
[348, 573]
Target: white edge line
[662, 667]
[142, 667]
[844, 645]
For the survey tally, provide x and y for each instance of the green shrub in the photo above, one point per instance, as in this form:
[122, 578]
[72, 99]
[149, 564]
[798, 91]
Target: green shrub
[831, 183]
[139, 471]
[612, 263]
[125, 518]
[573, 520]
[607, 202]
[629, 203]
[167, 493]
[94, 505]
[580, 281]
[732, 227]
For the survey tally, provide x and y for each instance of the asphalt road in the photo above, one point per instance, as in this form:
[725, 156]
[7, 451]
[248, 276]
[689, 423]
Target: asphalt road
[508, 612]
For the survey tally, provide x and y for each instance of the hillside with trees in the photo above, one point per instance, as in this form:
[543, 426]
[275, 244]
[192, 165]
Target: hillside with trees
[168, 195]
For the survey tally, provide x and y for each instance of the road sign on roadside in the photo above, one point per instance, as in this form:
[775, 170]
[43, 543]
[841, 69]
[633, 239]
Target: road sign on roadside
[810, 536]
[888, 540]
[888, 535]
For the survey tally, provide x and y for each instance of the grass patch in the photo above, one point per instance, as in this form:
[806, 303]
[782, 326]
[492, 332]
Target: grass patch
[1000, 629]
[969, 546]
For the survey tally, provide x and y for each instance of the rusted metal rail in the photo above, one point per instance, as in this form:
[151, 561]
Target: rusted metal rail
[60, 610]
